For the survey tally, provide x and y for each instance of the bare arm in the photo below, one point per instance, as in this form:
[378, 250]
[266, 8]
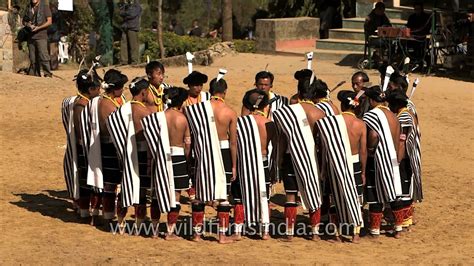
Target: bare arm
[187, 142]
[233, 142]
[372, 141]
[363, 152]
[402, 144]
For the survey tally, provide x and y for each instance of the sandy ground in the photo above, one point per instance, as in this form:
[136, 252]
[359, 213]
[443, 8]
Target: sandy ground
[39, 226]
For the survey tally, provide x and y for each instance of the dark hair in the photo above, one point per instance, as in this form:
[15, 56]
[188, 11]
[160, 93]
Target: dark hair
[400, 81]
[264, 75]
[306, 90]
[379, 5]
[85, 81]
[114, 79]
[255, 99]
[375, 93]
[344, 96]
[396, 99]
[418, 3]
[177, 96]
[321, 89]
[303, 74]
[217, 86]
[152, 66]
[365, 77]
[137, 85]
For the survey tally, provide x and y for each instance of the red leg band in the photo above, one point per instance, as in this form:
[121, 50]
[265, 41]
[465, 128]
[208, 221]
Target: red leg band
[375, 220]
[290, 215]
[198, 218]
[223, 220]
[173, 217]
[239, 214]
[315, 217]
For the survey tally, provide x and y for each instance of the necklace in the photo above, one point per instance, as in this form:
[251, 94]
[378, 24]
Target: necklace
[404, 109]
[176, 109]
[137, 102]
[324, 100]
[258, 112]
[217, 98]
[349, 113]
[190, 102]
[306, 101]
[82, 96]
[111, 99]
[382, 107]
[157, 97]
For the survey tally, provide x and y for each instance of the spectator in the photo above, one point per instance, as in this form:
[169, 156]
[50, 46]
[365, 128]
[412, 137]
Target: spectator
[196, 30]
[54, 34]
[330, 16]
[130, 11]
[376, 18]
[419, 22]
[176, 27]
[38, 18]
[154, 26]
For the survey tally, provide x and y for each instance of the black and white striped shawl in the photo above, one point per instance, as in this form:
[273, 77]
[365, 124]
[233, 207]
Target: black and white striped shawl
[155, 129]
[276, 102]
[90, 130]
[292, 121]
[413, 148]
[336, 148]
[326, 108]
[209, 169]
[70, 156]
[122, 132]
[411, 106]
[250, 171]
[387, 174]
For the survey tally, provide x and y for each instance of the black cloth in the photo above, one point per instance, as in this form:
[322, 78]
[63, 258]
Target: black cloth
[130, 14]
[180, 172]
[358, 178]
[110, 164]
[363, 107]
[419, 24]
[38, 16]
[196, 31]
[144, 174]
[370, 191]
[227, 159]
[81, 168]
[374, 22]
[405, 175]
[288, 175]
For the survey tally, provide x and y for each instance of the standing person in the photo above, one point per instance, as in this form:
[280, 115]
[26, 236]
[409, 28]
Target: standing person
[111, 100]
[297, 123]
[168, 137]
[196, 30]
[176, 27]
[126, 131]
[330, 16]
[344, 148]
[211, 122]
[38, 18]
[410, 150]
[383, 174]
[195, 82]
[264, 81]
[359, 82]
[155, 72]
[255, 133]
[54, 34]
[130, 11]
[321, 99]
[88, 86]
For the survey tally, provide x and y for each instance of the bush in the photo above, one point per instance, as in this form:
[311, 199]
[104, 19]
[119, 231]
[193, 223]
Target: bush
[244, 46]
[174, 44]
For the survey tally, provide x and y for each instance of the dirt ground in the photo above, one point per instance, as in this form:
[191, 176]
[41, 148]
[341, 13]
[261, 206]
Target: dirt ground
[39, 226]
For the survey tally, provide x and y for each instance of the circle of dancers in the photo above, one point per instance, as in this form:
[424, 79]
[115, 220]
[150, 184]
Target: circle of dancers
[356, 167]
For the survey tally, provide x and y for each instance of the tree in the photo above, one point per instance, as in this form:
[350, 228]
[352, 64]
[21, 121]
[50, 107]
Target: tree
[160, 28]
[227, 20]
[103, 13]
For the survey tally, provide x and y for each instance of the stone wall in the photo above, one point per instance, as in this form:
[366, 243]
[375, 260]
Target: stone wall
[6, 43]
[281, 33]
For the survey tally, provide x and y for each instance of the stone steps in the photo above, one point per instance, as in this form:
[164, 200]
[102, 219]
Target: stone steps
[340, 44]
[358, 23]
[349, 34]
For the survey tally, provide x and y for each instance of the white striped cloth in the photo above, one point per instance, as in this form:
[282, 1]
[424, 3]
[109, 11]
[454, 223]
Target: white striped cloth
[411, 106]
[276, 102]
[292, 121]
[122, 133]
[338, 156]
[155, 129]
[205, 96]
[209, 172]
[90, 130]
[250, 171]
[70, 156]
[387, 175]
[414, 152]
[326, 108]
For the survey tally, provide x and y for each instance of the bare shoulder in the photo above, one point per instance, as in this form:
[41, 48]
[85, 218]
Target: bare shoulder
[229, 112]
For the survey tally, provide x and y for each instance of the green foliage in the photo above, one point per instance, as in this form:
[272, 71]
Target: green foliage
[292, 8]
[244, 46]
[174, 44]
